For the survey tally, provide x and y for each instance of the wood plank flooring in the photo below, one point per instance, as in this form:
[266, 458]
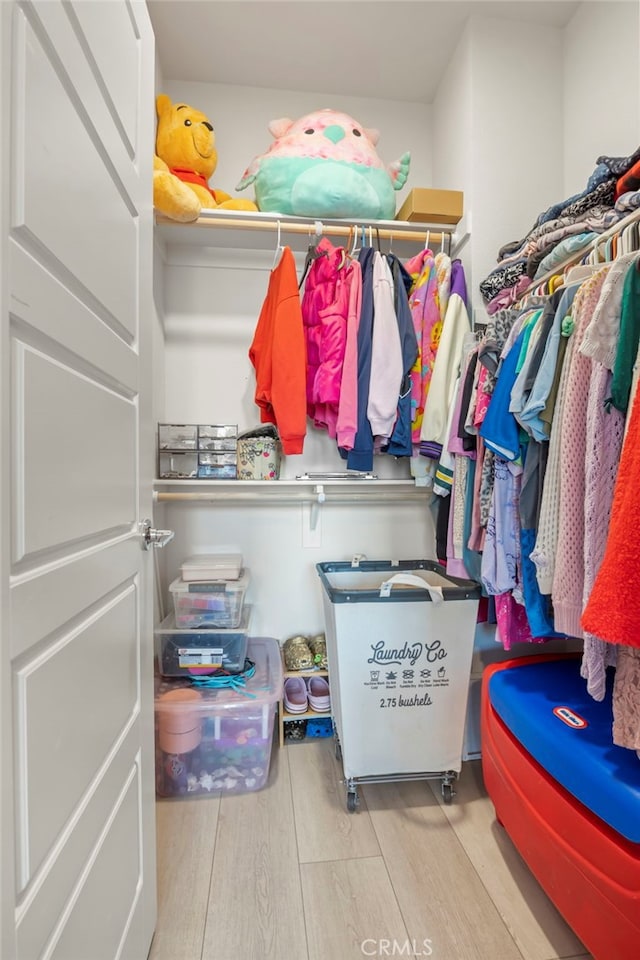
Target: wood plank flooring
[287, 874]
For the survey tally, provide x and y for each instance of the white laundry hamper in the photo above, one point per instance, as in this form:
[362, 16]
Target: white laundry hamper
[399, 645]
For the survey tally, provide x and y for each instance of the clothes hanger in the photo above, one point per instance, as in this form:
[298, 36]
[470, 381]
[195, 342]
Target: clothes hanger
[352, 252]
[279, 250]
[312, 251]
[427, 238]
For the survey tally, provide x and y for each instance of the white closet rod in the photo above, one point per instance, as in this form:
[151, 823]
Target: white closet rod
[328, 229]
[582, 252]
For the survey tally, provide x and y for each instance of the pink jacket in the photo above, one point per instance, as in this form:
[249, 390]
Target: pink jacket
[325, 306]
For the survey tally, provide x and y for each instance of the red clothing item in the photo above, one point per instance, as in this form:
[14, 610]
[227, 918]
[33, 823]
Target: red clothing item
[279, 356]
[613, 609]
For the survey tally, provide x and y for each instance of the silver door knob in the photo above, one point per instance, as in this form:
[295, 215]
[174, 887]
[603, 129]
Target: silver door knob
[152, 537]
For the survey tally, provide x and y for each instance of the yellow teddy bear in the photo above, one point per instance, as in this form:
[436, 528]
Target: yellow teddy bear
[185, 158]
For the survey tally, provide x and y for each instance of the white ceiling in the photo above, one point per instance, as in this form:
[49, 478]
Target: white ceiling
[332, 46]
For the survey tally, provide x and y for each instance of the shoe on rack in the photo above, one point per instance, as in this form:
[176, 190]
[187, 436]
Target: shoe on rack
[295, 695]
[297, 655]
[319, 695]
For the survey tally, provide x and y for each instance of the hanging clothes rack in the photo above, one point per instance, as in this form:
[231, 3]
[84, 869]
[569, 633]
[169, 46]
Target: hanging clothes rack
[392, 230]
[579, 255]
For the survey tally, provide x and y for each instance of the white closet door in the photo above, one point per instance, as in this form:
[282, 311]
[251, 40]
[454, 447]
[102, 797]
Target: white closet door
[77, 825]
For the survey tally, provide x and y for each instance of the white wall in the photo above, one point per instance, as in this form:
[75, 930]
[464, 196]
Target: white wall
[516, 153]
[240, 116]
[601, 101]
[452, 145]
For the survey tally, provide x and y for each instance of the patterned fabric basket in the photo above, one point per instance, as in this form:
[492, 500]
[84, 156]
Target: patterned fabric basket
[258, 458]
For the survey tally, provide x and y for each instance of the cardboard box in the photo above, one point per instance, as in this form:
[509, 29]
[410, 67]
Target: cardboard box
[432, 206]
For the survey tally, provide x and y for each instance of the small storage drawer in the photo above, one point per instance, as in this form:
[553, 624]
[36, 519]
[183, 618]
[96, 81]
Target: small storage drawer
[214, 603]
[208, 432]
[177, 436]
[173, 465]
[184, 653]
[217, 466]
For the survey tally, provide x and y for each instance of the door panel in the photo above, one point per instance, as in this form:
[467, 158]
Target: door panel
[85, 679]
[103, 32]
[77, 831]
[43, 305]
[74, 448]
[66, 187]
[74, 586]
[99, 918]
[49, 895]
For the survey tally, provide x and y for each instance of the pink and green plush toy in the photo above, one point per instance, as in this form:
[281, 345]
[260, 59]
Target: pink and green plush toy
[325, 165]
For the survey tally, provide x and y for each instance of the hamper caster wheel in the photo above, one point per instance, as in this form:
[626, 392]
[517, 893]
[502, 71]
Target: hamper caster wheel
[352, 801]
[447, 792]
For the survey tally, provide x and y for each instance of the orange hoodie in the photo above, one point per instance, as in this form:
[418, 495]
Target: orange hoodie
[278, 354]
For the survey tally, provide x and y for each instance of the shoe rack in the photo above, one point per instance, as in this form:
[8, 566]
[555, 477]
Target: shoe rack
[283, 715]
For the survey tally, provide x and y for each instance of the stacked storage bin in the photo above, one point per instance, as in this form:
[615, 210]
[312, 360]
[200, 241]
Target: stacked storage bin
[218, 741]
[217, 690]
[208, 629]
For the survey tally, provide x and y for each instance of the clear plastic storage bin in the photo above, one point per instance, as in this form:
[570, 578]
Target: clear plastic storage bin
[218, 741]
[209, 603]
[184, 653]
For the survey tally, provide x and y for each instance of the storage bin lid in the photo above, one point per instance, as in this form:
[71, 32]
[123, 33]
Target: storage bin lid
[212, 566]
[263, 688]
[346, 583]
[168, 627]
[182, 588]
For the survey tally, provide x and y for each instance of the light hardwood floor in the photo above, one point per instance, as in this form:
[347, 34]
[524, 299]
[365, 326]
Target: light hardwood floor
[287, 874]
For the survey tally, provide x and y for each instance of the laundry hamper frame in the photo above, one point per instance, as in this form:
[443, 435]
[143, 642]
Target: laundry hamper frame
[399, 645]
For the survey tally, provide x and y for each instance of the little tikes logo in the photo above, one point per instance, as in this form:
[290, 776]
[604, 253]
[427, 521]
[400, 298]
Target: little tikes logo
[570, 718]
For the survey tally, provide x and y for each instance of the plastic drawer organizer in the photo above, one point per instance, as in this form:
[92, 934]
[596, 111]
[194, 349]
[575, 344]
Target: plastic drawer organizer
[399, 644]
[213, 741]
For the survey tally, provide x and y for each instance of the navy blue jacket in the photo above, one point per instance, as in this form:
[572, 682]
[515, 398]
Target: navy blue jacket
[361, 457]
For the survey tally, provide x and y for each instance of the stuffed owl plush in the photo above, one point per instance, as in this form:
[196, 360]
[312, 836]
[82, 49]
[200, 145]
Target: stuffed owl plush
[325, 165]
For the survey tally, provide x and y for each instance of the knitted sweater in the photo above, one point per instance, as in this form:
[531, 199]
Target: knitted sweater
[568, 581]
[601, 336]
[605, 430]
[544, 552]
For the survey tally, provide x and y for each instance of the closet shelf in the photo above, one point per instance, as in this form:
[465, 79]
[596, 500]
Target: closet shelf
[239, 229]
[289, 491]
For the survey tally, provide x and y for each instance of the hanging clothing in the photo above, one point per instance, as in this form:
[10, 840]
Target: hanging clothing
[278, 355]
[386, 353]
[446, 364]
[400, 444]
[347, 421]
[613, 609]
[568, 581]
[360, 457]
